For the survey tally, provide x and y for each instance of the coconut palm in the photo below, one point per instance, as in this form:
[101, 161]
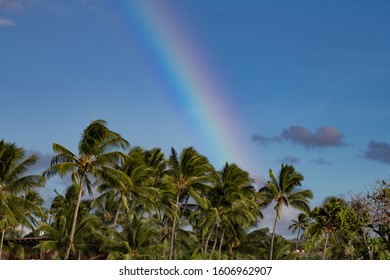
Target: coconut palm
[129, 183]
[97, 148]
[157, 165]
[233, 207]
[282, 190]
[189, 176]
[282, 248]
[13, 183]
[105, 207]
[327, 220]
[35, 198]
[137, 240]
[252, 243]
[301, 223]
[87, 233]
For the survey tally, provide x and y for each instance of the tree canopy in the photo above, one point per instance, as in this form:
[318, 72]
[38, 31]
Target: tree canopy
[125, 202]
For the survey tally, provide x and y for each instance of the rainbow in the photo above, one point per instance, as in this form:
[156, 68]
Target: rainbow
[172, 45]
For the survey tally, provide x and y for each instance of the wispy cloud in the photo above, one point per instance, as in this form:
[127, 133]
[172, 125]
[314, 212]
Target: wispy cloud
[264, 140]
[43, 161]
[289, 160]
[286, 216]
[320, 161]
[6, 22]
[11, 5]
[378, 151]
[260, 180]
[18, 5]
[323, 137]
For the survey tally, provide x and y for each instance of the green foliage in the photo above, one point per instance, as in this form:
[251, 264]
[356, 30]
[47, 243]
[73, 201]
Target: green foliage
[329, 215]
[15, 184]
[148, 206]
[282, 190]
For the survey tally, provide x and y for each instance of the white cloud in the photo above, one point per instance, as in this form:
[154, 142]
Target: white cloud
[260, 181]
[43, 162]
[322, 137]
[378, 151]
[289, 160]
[286, 216]
[11, 5]
[6, 22]
[320, 161]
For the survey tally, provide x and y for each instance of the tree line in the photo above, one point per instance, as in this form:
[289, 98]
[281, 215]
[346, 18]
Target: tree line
[148, 205]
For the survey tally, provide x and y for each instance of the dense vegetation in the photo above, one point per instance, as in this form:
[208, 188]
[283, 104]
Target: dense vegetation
[132, 203]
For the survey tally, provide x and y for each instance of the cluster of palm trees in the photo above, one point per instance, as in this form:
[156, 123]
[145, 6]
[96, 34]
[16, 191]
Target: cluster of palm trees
[145, 205]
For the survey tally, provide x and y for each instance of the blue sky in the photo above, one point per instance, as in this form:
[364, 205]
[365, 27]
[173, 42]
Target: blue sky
[307, 82]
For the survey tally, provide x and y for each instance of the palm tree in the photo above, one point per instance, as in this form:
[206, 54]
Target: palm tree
[282, 191]
[233, 206]
[105, 207]
[327, 219]
[35, 198]
[157, 165]
[189, 176]
[282, 248]
[301, 224]
[129, 183]
[87, 233]
[252, 244]
[96, 150]
[137, 240]
[13, 183]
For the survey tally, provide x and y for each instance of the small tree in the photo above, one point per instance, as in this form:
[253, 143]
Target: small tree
[301, 223]
[13, 184]
[374, 207]
[327, 219]
[283, 191]
[96, 151]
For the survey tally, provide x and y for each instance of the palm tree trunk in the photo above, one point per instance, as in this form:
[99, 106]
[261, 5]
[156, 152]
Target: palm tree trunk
[116, 216]
[325, 245]
[74, 223]
[215, 242]
[181, 212]
[184, 208]
[175, 244]
[220, 245]
[207, 241]
[299, 229]
[173, 236]
[1, 243]
[271, 249]
[230, 252]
